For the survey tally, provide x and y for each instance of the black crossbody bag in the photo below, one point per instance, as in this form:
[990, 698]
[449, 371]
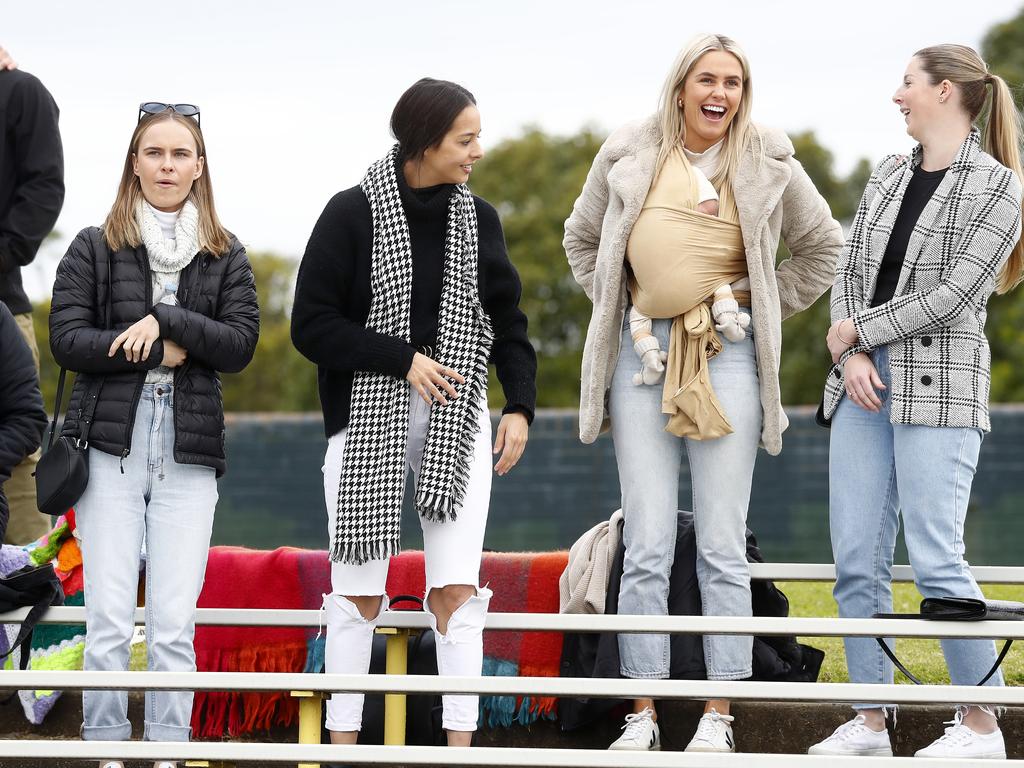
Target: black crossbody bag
[957, 609]
[63, 471]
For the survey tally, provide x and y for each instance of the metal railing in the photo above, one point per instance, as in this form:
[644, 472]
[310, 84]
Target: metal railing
[310, 688]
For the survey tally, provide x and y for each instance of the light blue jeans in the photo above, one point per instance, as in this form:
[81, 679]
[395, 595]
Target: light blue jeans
[169, 506]
[721, 471]
[878, 471]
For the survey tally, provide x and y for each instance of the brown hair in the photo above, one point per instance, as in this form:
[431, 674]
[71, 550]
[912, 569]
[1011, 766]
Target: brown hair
[963, 67]
[120, 228]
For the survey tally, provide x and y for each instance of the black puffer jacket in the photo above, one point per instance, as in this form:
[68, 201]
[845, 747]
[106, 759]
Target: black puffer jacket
[217, 322]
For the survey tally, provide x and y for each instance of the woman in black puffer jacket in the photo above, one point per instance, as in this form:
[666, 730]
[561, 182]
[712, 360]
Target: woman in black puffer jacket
[147, 310]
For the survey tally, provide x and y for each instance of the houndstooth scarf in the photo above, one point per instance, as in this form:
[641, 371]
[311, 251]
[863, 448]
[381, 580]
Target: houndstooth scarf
[372, 484]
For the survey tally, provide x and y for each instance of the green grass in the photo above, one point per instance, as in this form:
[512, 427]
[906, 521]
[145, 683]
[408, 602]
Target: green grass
[922, 657]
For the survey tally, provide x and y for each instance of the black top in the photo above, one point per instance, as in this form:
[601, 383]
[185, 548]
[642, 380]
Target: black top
[426, 210]
[31, 178]
[332, 299]
[919, 191]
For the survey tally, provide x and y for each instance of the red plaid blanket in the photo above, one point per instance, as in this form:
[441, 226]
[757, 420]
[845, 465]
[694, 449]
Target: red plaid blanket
[295, 578]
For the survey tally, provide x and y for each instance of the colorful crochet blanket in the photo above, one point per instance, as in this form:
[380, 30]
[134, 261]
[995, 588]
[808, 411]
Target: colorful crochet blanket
[296, 578]
[54, 646]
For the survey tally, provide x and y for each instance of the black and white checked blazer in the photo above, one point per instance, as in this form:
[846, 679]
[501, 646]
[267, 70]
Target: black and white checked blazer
[934, 326]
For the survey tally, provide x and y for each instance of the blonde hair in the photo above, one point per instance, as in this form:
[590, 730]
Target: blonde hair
[673, 126]
[962, 66]
[120, 228]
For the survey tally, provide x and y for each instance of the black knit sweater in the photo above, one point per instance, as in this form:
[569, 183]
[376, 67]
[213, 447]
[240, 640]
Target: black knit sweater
[332, 299]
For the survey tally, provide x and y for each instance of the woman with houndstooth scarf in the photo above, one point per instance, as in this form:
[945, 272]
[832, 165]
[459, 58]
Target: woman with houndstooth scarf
[404, 296]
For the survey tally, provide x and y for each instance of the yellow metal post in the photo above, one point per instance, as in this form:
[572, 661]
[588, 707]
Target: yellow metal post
[396, 663]
[310, 710]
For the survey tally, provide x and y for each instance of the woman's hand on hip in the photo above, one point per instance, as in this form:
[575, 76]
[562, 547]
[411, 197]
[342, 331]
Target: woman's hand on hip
[510, 442]
[862, 380]
[430, 379]
[174, 354]
[137, 339]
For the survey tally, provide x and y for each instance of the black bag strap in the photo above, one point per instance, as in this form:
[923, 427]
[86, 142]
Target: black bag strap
[56, 407]
[902, 668]
[910, 676]
[417, 601]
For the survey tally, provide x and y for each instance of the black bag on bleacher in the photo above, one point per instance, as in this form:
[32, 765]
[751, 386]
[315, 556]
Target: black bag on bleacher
[33, 586]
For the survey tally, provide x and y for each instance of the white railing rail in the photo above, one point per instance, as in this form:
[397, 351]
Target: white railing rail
[461, 756]
[738, 690]
[983, 574]
[800, 626]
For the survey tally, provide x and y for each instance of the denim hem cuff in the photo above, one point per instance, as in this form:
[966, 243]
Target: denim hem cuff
[161, 732]
[459, 727]
[731, 675]
[643, 675]
[330, 725]
[861, 706]
[119, 732]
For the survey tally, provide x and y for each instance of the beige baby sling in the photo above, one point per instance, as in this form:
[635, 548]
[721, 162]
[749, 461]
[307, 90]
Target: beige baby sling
[678, 257]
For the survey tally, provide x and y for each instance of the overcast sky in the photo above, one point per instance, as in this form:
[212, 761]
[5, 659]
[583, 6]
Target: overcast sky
[296, 96]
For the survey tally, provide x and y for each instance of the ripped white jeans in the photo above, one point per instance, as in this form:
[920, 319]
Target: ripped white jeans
[452, 552]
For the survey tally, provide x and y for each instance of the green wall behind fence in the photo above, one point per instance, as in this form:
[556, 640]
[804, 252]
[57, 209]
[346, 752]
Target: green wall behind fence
[273, 495]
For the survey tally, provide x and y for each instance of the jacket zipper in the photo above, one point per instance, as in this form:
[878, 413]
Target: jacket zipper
[142, 374]
[194, 283]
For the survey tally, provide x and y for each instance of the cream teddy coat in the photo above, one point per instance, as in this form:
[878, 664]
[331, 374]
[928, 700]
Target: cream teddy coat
[775, 197]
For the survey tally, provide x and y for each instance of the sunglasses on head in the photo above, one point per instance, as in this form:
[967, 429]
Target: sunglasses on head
[156, 107]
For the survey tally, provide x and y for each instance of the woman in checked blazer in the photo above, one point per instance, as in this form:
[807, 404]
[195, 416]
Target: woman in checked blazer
[935, 234]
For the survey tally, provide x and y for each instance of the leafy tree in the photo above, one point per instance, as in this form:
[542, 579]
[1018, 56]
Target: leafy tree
[533, 181]
[278, 378]
[805, 359]
[1003, 49]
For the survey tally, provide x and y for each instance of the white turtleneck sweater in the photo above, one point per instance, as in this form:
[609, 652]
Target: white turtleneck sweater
[165, 286]
[706, 161]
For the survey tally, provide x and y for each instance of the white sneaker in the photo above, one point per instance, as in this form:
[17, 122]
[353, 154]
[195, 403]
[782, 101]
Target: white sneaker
[640, 733]
[111, 764]
[855, 738]
[961, 742]
[714, 734]
[165, 764]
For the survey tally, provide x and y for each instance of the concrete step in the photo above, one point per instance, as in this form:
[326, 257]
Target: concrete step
[759, 727]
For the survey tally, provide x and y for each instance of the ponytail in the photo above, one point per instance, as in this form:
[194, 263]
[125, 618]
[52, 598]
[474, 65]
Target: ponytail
[1002, 140]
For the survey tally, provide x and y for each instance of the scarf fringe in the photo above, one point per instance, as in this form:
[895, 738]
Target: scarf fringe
[359, 552]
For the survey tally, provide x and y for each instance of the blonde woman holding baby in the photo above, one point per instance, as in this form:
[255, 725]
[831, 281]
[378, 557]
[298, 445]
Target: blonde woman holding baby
[637, 239]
